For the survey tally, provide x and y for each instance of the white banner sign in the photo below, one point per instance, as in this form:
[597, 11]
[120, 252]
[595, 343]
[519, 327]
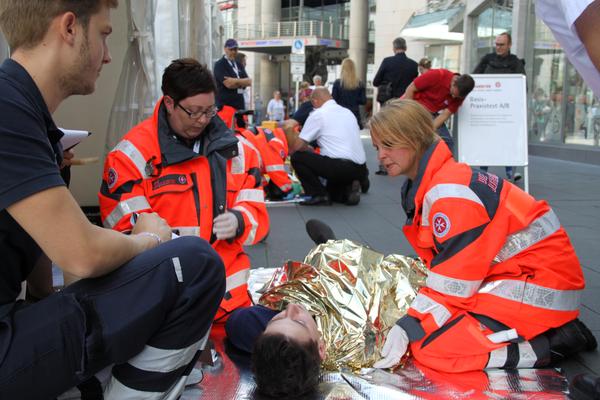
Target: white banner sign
[492, 122]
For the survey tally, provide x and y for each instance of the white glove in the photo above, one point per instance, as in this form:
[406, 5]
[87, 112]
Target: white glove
[394, 348]
[225, 225]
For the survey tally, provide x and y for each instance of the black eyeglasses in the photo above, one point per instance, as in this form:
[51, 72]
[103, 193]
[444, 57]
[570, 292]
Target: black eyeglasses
[211, 112]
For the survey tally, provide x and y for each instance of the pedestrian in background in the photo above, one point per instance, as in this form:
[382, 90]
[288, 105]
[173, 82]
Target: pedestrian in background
[501, 61]
[317, 81]
[424, 65]
[393, 77]
[276, 108]
[349, 91]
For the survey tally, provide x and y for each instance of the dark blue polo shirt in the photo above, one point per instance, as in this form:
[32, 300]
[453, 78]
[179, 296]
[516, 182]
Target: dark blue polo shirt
[302, 113]
[30, 155]
[225, 96]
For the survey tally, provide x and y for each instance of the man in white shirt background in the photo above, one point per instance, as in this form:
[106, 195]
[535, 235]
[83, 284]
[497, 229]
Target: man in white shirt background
[341, 161]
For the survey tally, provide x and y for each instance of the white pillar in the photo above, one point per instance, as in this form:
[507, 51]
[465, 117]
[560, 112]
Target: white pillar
[359, 36]
[520, 29]
[266, 82]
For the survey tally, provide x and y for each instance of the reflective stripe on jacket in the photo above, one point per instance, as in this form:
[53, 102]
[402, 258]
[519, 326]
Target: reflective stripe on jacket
[150, 169]
[491, 249]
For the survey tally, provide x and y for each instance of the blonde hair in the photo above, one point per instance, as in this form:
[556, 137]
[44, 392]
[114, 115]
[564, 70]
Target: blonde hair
[348, 78]
[404, 123]
[26, 22]
[425, 63]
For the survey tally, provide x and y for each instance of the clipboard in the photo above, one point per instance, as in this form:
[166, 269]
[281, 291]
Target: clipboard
[72, 138]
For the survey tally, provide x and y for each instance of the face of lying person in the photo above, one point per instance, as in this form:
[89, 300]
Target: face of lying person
[296, 323]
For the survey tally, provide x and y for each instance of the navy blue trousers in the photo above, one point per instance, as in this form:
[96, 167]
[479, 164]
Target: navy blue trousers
[165, 297]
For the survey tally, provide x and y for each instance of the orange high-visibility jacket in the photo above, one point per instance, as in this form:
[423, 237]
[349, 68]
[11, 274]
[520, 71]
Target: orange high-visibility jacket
[272, 152]
[271, 147]
[491, 249]
[150, 169]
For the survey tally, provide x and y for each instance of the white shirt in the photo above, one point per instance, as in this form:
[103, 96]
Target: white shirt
[560, 16]
[336, 131]
[276, 110]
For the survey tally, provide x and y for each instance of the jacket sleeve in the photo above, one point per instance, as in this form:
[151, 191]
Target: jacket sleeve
[378, 79]
[122, 192]
[453, 225]
[249, 201]
[480, 68]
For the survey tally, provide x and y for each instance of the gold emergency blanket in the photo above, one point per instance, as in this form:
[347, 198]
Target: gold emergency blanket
[355, 294]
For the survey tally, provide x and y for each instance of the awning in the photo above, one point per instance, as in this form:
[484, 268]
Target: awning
[433, 26]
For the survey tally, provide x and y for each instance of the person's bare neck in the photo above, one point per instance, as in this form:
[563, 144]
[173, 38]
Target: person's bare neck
[40, 63]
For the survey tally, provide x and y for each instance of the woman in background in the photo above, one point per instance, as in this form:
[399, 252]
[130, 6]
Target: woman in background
[424, 65]
[349, 91]
[276, 108]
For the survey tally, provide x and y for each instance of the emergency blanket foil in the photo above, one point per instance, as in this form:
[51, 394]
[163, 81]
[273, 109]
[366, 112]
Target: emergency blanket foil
[355, 295]
[231, 378]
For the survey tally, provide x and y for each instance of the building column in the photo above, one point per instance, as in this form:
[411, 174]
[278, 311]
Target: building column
[267, 80]
[359, 36]
[520, 29]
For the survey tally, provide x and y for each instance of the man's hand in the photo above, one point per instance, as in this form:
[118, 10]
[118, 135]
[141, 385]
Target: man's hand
[394, 348]
[225, 226]
[230, 83]
[67, 157]
[152, 223]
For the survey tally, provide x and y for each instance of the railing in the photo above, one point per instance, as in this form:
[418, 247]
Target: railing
[272, 30]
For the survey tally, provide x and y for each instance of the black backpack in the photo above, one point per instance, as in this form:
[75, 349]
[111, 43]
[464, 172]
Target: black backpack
[384, 92]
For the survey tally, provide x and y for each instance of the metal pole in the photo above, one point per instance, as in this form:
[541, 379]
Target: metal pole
[297, 97]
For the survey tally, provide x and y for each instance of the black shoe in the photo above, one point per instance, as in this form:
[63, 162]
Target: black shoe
[353, 197]
[585, 387]
[569, 339]
[316, 200]
[517, 177]
[319, 231]
[365, 184]
[381, 172]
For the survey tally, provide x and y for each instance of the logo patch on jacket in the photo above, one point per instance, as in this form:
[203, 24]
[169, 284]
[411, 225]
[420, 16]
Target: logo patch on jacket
[173, 179]
[441, 225]
[112, 177]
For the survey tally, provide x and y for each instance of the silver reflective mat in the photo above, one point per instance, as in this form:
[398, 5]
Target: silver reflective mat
[230, 378]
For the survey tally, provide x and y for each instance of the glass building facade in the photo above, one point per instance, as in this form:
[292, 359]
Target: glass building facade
[562, 110]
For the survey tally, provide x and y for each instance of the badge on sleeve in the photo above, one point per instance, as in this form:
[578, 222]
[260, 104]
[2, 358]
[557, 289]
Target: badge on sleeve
[441, 225]
[112, 178]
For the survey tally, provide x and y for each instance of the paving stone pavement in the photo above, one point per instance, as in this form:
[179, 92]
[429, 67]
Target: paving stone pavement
[572, 189]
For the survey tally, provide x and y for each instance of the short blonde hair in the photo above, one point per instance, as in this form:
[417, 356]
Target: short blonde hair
[404, 123]
[26, 22]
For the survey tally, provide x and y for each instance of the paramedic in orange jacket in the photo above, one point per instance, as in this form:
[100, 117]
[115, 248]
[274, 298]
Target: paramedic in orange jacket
[272, 150]
[186, 165]
[504, 282]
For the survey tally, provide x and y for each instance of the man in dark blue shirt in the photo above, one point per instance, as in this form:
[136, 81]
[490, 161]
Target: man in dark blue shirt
[134, 293]
[231, 78]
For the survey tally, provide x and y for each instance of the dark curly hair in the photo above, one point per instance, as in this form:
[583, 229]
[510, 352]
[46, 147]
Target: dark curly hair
[465, 84]
[285, 368]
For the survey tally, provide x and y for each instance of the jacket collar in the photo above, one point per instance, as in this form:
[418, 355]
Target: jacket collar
[430, 163]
